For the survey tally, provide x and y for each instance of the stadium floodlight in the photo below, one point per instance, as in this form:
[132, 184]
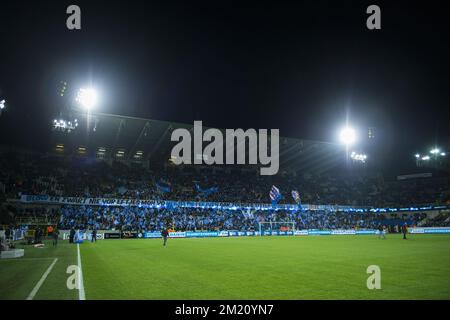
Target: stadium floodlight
[2, 104]
[417, 155]
[443, 154]
[434, 151]
[347, 136]
[87, 97]
[426, 158]
[358, 157]
[64, 125]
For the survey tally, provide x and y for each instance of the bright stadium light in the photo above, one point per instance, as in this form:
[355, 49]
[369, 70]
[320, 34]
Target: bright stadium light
[443, 154]
[434, 151]
[2, 104]
[65, 125]
[417, 155]
[358, 157]
[426, 158]
[87, 97]
[347, 136]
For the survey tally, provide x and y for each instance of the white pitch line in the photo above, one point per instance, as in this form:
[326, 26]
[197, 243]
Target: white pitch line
[41, 281]
[81, 292]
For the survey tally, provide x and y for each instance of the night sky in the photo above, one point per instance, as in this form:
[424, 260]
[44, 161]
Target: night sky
[300, 66]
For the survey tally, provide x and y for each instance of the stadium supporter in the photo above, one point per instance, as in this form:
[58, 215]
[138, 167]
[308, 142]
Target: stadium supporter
[442, 219]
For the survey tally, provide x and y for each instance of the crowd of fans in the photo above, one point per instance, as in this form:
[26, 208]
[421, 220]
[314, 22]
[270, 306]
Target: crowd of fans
[181, 219]
[440, 220]
[39, 174]
[23, 173]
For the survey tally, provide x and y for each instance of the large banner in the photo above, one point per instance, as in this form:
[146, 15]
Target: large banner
[157, 234]
[429, 230]
[82, 235]
[343, 232]
[366, 232]
[152, 234]
[316, 232]
[202, 234]
[44, 199]
[88, 201]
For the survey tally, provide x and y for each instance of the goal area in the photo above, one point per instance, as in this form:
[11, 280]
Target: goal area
[275, 227]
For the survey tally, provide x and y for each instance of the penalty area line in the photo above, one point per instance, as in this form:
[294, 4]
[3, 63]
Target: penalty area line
[81, 293]
[41, 281]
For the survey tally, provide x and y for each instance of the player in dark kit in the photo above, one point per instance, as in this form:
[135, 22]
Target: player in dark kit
[165, 234]
[55, 235]
[404, 230]
[71, 235]
[381, 232]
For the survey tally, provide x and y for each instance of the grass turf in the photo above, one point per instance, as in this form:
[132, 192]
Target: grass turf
[19, 276]
[314, 267]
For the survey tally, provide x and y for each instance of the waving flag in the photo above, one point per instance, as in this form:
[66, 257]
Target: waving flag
[205, 192]
[122, 190]
[275, 195]
[296, 196]
[163, 186]
[249, 214]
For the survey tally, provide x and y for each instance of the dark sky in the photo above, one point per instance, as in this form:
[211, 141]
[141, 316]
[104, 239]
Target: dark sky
[299, 66]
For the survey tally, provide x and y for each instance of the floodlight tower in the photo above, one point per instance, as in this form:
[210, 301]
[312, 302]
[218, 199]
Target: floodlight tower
[87, 98]
[347, 136]
[2, 106]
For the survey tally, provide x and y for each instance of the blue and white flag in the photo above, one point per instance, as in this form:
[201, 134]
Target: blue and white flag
[122, 190]
[207, 191]
[249, 214]
[275, 195]
[163, 186]
[296, 196]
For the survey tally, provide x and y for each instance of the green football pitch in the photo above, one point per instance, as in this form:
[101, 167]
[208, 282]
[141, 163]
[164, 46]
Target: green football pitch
[312, 267]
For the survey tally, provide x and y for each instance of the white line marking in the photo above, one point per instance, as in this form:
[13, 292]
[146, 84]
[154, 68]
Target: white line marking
[41, 281]
[81, 295]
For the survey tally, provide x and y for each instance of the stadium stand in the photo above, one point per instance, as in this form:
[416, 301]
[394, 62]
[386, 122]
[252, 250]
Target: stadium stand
[135, 165]
[139, 219]
[57, 176]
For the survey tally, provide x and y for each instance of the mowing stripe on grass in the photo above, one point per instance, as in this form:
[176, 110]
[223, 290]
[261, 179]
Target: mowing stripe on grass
[81, 292]
[41, 281]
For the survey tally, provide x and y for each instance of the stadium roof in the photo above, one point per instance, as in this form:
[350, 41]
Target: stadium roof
[152, 138]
